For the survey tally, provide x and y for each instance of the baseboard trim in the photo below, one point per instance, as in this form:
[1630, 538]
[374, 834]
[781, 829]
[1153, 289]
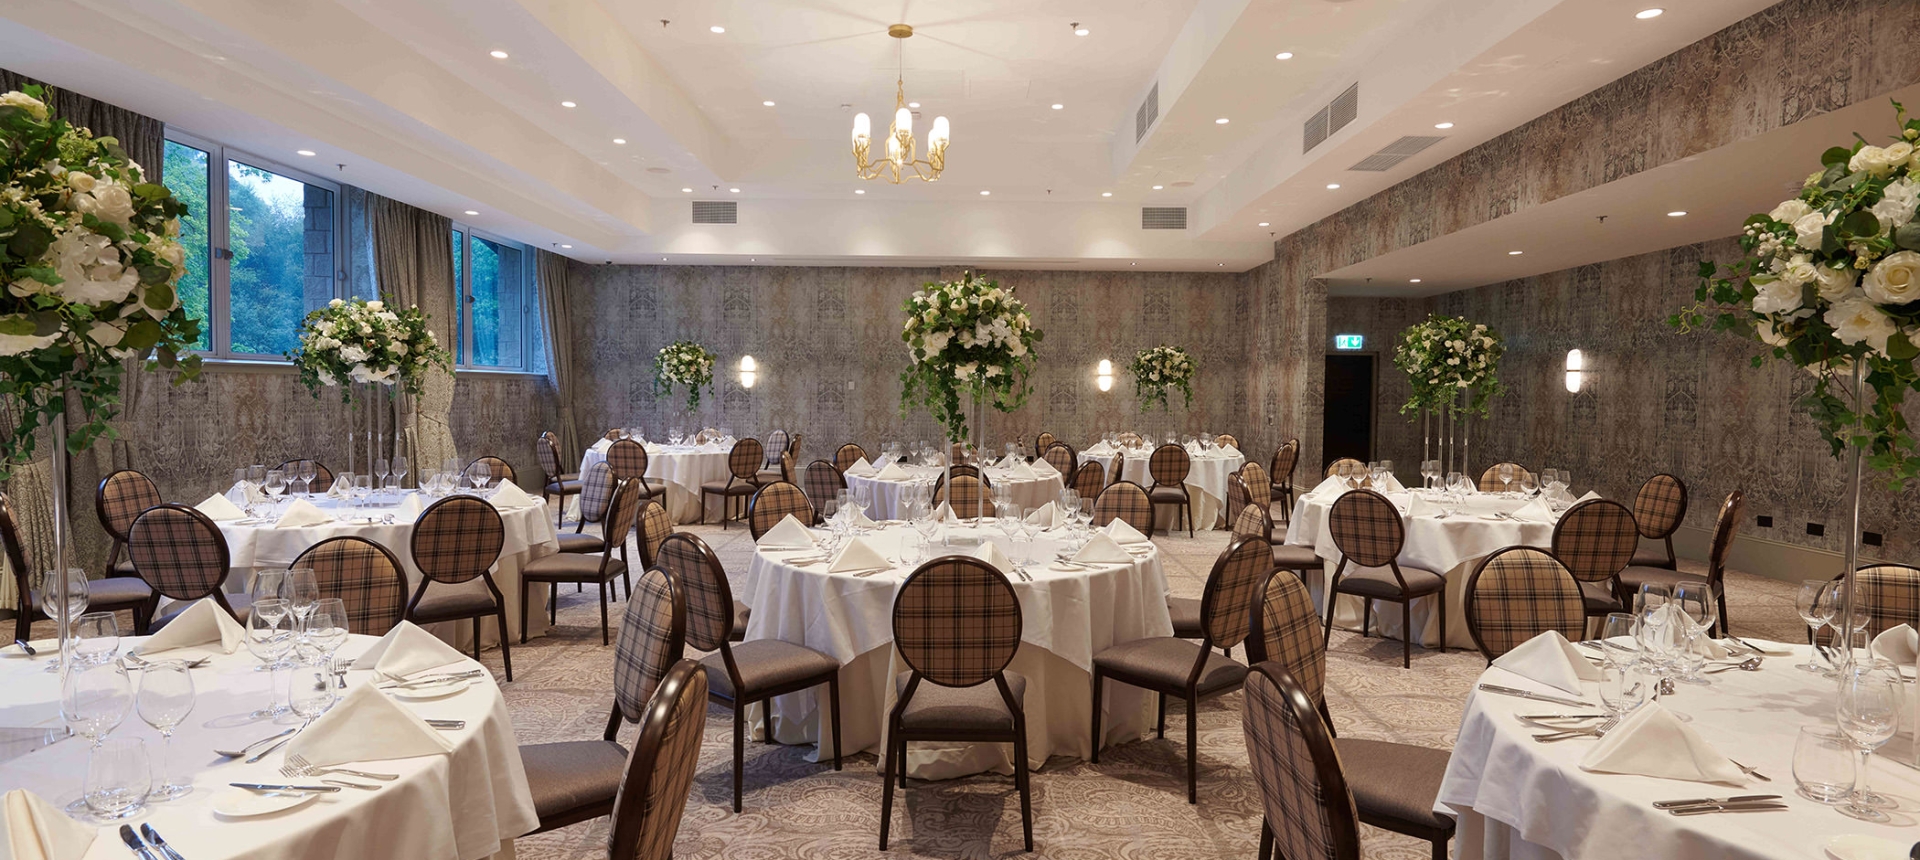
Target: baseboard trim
[1765, 557]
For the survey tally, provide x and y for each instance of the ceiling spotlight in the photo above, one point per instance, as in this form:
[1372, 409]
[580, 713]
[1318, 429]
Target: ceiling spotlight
[1283, 55]
[568, 104]
[1220, 121]
[686, 191]
[859, 190]
[498, 55]
[663, 259]
[1059, 107]
[1515, 253]
[717, 28]
[1332, 185]
[1106, 194]
[1644, 14]
[985, 193]
[1678, 213]
[733, 190]
[1220, 264]
[1263, 224]
[1443, 125]
[913, 104]
[1413, 280]
[620, 140]
[1158, 187]
[767, 104]
[1080, 30]
[306, 152]
[472, 212]
[567, 246]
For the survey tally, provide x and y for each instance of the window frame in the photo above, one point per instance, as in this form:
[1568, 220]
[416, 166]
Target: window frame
[530, 340]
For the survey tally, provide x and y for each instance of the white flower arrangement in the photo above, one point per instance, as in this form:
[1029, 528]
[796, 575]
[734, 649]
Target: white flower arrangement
[966, 336]
[1156, 369]
[684, 363]
[1446, 357]
[364, 341]
[1831, 278]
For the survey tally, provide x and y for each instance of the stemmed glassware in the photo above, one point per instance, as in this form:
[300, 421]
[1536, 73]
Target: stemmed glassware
[94, 699]
[1527, 483]
[308, 472]
[270, 640]
[479, 474]
[302, 590]
[1694, 612]
[309, 701]
[362, 490]
[1622, 683]
[164, 700]
[1505, 471]
[381, 469]
[97, 639]
[1815, 604]
[399, 471]
[275, 485]
[1868, 712]
[77, 592]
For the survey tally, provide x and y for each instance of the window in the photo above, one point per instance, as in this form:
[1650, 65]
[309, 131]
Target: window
[499, 320]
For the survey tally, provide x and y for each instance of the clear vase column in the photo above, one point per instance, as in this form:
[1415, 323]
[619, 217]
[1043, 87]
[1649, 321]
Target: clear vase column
[1853, 608]
[62, 624]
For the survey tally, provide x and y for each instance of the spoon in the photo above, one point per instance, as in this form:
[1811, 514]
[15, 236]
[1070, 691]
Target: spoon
[26, 648]
[1751, 664]
[249, 747]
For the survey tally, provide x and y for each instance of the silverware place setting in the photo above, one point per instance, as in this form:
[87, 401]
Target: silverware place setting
[252, 746]
[270, 788]
[1538, 697]
[430, 680]
[1751, 664]
[298, 766]
[1598, 731]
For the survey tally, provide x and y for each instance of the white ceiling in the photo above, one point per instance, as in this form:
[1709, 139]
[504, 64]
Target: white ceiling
[404, 94]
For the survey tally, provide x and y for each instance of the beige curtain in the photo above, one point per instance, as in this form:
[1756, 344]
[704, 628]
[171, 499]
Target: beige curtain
[556, 298]
[413, 261]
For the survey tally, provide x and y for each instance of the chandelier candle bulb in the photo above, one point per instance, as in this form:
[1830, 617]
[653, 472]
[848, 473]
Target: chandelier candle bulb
[862, 130]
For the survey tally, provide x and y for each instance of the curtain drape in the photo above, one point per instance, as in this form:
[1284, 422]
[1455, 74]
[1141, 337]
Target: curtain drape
[556, 297]
[413, 261]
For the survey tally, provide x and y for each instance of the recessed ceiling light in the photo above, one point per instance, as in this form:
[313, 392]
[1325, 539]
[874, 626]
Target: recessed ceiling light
[566, 246]
[1515, 253]
[620, 140]
[1413, 280]
[733, 190]
[1133, 264]
[1106, 194]
[472, 212]
[305, 152]
[498, 55]
[913, 104]
[1283, 55]
[1332, 185]
[1081, 31]
[568, 104]
[768, 103]
[1220, 121]
[1263, 224]
[1678, 213]
[1220, 264]
[663, 259]
[686, 191]
[1158, 187]
[985, 193]
[859, 190]
[1443, 125]
[1644, 14]
[717, 28]
[1059, 107]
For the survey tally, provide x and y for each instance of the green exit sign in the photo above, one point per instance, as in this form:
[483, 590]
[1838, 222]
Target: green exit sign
[1349, 341]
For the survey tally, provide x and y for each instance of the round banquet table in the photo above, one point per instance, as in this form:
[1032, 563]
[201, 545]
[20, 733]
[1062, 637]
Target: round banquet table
[529, 535]
[1450, 546]
[1206, 482]
[466, 805]
[1028, 493]
[683, 468]
[1066, 618]
[1515, 798]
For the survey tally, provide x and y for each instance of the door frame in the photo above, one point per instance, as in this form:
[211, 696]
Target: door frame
[1373, 402]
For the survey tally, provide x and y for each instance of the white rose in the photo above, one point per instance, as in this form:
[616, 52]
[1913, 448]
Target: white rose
[1777, 297]
[81, 182]
[15, 344]
[336, 303]
[1871, 159]
[171, 252]
[1899, 152]
[327, 378]
[1770, 335]
[376, 305]
[1856, 320]
[1790, 211]
[353, 353]
[1894, 280]
[1798, 270]
[108, 202]
[34, 107]
[1835, 284]
[1897, 203]
[399, 347]
[1808, 228]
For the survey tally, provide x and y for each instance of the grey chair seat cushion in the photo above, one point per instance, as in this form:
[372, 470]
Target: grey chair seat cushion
[1650, 557]
[738, 488]
[765, 664]
[242, 607]
[1599, 598]
[1392, 780]
[978, 708]
[117, 591]
[584, 543]
[572, 567]
[1186, 617]
[1635, 576]
[1296, 557]
[1379, 582]
[1168, 662]
[572, 774]
[444, 602]
[1168, 494]
[566, 486]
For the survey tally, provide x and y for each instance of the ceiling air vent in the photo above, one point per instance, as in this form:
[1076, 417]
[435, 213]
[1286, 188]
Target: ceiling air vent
[1163, 218]
[1149, 111]
[1394, 153]
[1344, 108]
[1314, 132]
[716, 212]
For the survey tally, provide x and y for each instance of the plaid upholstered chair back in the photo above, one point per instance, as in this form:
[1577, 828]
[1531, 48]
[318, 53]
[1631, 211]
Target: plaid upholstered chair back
[653, 790]
[653, 635]
[497, 469]
[1660, 506]
[1061, 457]
[824, 481]
[322, 476]
[1302, 790]
[1131, 438]
[697, 573]
[456, 539]
[16, 550]
[1169, 466]
[847, 455]
[613, 434]
[622, 515]
[1518, 593]
[956, 621]
[1724, 530]
[786, 467]
[1284, 460]
[1250, 522]
[1259, 486]
[967, 469]
[1089, 480]
[548, 448]
[773, 502]
[1367, 528]
[596, 491]
[1044, 441]
[968, 499]
[1490, 479]
[793, 447]
[776, 445]
[1226, 439]
[1347, 467]
[1891, 595]
[655, 527]
[365, 576]
[121, 498]
[628, 459]
[746, 458]
[1238, 494]
[1232, 589]
[178, 551]
[1286, 630]
[1595, 539]
[1124, 500]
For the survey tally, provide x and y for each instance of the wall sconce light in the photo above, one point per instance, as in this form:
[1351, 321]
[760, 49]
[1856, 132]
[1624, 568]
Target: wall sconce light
[1103, 376]
[749, 371]
[1576, 370]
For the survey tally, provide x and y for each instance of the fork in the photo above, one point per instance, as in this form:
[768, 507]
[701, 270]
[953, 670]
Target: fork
[297, 765]
[1598, 731]
[1751, 772]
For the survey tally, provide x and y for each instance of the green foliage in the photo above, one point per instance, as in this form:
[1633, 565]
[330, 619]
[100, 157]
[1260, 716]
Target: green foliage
[1448, 357]
[971, 337]
[686, 364]
[1157, 369]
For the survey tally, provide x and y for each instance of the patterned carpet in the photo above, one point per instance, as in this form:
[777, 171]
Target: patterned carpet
[1132, 806]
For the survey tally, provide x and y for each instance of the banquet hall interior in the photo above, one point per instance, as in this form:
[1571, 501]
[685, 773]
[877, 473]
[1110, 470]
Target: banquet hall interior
[559, 429]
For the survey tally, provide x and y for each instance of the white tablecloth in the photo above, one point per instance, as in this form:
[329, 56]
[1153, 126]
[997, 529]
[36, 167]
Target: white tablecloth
[1027, 493]
[1451, 547]
[462, 806]
[683, 468]
[1067, 618]
[529, 535]
[1515, 798]
[1206, 483]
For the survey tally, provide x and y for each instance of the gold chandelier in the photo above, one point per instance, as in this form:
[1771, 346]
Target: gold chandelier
[900, 161]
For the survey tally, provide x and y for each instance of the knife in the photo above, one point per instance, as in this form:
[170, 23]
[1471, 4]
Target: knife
[133, 841]
[254, 786]
[1538, 697]
[1706, 801]
[1767, 806]
[153, 836]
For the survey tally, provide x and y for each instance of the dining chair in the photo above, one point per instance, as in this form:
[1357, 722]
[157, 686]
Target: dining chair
[1518, 593]
[776, 445]
[1725, 528]
[1890, 596]
[614, 433]
[110, 594]
[956, 624]
[1490, 479]
[847, 455]
[969, 497]
[1595, 539]
[322, 476]
[1124, 500]
[1043, 441]
[1285, 459]
[1239, 498]
[793, 446]
[581, 568]
[365, 576]
[824, 483]
[1259, 486]
[497, 470]
[628, 460]
[774, 502]
[743, 463]
[1169, 466]
[652, 795]
[1088, 481]
[119, 499]
[182, 555]
[1171, 666]
[1225, 439]
[1309, 810]
[455, 541]
[1253, 522]
[1346, 467]
[597, 484]
[1369, 534]
[575, 781]
[1061, 457]
[754, 671]
[1658, 510]
[555, 483]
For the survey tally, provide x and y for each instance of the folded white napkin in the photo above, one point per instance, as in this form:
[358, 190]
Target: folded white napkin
[1328, 490]
[858, 556]
[1898, 644]
[1535, 510]
[1418, 507]
[893, 472]
[1653, 742]
[1194, 449]
[301, 514]
[1230, 451]
[602, 445]
[1007, 461]
[1099, 448]
[203, 623]
[1046, 516]
[509, 496]
[1392, 485]
[1102, 549]
[1044, 469]
[944, 514]
[411, 507]
[1022, 472]
[407, 650]
[1125, 534]
[653, 447]
[860, 519]
[1590, 496]
[367, 726]
[35, 830]
[220, 509]
[788, 533]
[1550, 659]
[342, 488]
[990, 553]
[862, 469]
[711, 448]
[239, 495]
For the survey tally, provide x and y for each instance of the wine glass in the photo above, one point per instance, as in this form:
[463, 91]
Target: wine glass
[266, 585]
[94, 699]
[381, 469]
[1868, 712]
[479, 473]
[308, 472]
[302, 590]
[164, 700]
[269, 639]
[118, 782]
[1814, 602]
[362, 490]
[76, 605]
[97, 639]
[276, 484]
[256, 479]
[1506, 476]
[1527, 483]
[399, 471]
[1693, 613]
[326, 625]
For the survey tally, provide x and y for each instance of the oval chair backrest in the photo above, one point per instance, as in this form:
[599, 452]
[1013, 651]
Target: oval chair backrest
[772, 503]
[1285, 458]
[1518, 593]
[548, 448]
[1238, 494]
[786, 467]
[847, 455]
[120, 499]
[824, 482]
[968, 499]
[1367, 528]
[1891, 595]
[1490, 479]
[178, 551]
[457, 539]
[776, 445]
[745, 459]
[659, 774]
[697, 573]
[1124, 500]
[621, 517]
[628, 459]
[1660, 506]
[956, 621]
[1347, 467]
[1724, 530]
[497, 469]
[1259, 486]
[1061, 457]
[655, 526]
[1044, 441]
[1302, 789]
[596, 491]
[1089, 480]
[1251, 522]
[365, 576]
[1595, 539]
[1169, 466]
[17, 560]
[1286, 630]
[1226, 439]
[653, 635]
[1233, 586]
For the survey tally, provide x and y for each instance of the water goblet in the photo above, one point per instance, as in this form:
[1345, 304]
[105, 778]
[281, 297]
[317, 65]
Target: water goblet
[302, 589]
[75, 606]
[119, 779]
[381, 469]
[94, 699]
[164, 700]
[399, 471]
[325, 627]
[1506, 477]
[1868, 713]
[362, 490]
[1693, 612]
[308, 472]
[1816, 609]
[97, 639]
[276, 484]
[479, 473]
